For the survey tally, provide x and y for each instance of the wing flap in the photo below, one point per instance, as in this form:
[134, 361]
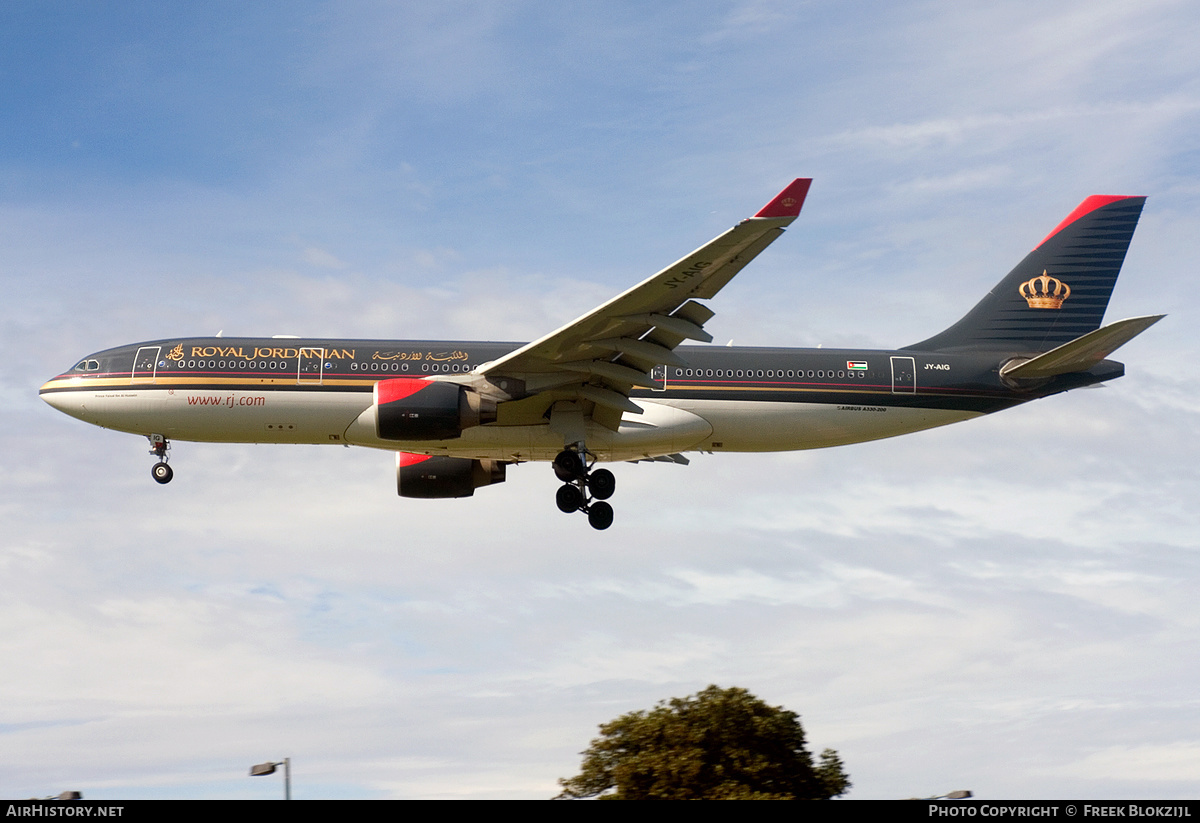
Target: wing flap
[614, 371]
[685, 329]
[663, 458]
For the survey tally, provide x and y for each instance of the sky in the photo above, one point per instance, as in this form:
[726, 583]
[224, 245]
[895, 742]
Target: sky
[1006, 605]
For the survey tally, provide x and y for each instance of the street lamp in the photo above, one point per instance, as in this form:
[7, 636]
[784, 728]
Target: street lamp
[961, 794]
[269, 768]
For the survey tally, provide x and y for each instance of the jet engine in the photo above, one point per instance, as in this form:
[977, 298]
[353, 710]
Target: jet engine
[416, 408]
[419, 475]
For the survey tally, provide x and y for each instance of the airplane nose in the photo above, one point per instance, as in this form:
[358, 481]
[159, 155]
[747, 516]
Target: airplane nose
[65, 401]
[50, 397]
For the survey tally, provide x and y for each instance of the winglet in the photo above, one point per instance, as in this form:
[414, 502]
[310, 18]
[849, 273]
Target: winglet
[788, 202]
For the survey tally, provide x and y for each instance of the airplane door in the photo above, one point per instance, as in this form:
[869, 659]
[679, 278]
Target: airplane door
[145, 364]
[310, 366]
[659, 375]
[904, 375]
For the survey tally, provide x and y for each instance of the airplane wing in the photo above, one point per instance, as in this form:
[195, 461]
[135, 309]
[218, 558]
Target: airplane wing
[601, 356]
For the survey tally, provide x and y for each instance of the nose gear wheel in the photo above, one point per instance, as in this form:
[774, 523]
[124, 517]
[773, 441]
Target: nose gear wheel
[161, 472]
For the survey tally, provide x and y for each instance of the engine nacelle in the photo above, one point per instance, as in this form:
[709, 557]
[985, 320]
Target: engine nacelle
[416, 408]
[419, 475]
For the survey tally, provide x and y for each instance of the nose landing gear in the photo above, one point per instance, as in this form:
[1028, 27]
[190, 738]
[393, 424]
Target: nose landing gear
[584, 489]
[159, 445]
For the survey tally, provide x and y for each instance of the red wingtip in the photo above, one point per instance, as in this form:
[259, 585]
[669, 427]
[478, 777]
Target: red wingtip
[1086, 207]
[788, 202]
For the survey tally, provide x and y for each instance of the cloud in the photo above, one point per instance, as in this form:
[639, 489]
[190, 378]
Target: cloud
[322, 259]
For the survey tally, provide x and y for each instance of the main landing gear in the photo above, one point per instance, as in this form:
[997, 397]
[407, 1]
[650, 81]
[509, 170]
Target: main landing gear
[159, 445]
[584, 490]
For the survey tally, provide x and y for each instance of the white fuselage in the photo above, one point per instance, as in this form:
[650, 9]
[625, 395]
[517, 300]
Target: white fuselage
[665, 426]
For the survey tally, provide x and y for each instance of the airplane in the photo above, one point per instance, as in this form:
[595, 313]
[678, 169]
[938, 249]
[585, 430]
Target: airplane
[617, 384]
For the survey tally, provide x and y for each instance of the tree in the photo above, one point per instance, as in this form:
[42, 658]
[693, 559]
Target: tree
[716, 744]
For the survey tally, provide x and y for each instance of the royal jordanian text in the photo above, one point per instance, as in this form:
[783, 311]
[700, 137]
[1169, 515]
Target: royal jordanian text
[281, 353]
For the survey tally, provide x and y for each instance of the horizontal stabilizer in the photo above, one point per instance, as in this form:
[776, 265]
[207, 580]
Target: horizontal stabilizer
[1081, 353]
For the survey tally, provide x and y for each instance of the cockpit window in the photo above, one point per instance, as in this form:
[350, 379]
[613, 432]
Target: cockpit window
[87, 365]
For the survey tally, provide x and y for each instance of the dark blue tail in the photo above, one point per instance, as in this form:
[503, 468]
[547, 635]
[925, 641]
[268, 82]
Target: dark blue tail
[1059, 292]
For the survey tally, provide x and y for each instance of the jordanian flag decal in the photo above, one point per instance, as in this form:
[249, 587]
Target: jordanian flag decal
[860, 365]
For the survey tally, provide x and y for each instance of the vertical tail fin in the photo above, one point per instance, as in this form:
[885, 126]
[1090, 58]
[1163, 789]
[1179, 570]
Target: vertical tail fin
[1059, 291]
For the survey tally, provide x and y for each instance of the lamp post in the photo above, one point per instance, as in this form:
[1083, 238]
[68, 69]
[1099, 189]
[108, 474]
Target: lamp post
[960, 794]
[269, 768]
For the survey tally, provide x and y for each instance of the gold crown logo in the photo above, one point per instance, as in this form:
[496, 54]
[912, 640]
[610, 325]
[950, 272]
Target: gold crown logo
[1044, 292]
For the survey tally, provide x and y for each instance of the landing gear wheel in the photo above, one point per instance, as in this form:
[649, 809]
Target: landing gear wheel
[584, 489]
[601, 483]
[569, 465]
[569, 499]
[600, 516]
[159, 445]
